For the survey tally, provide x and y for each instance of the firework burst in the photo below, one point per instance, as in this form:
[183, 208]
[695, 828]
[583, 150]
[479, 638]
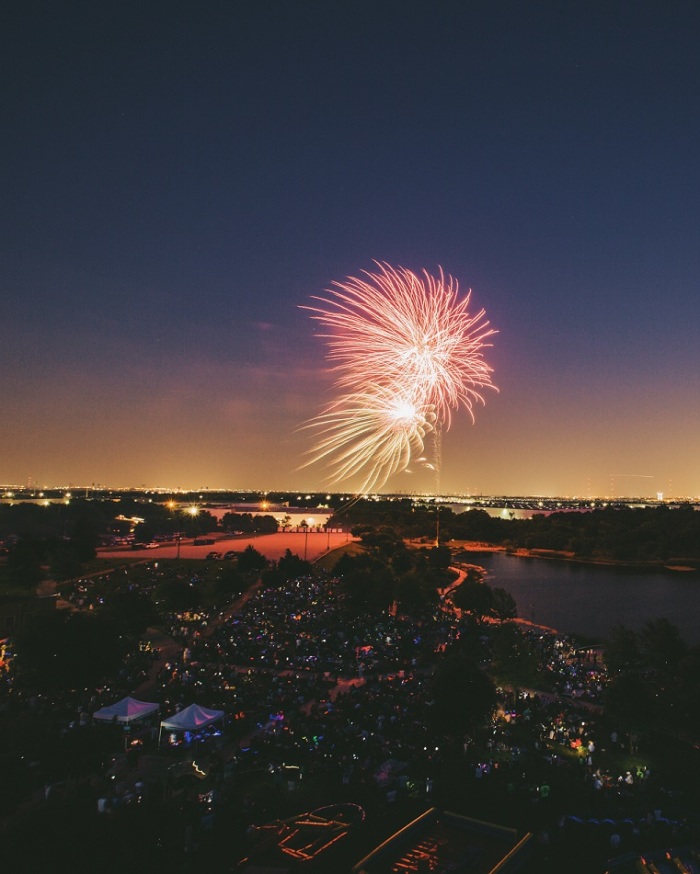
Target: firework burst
[395, 328]
[397, 341]
[372, 433]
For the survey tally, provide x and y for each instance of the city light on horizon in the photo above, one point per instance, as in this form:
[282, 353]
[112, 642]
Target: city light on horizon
[53, 494]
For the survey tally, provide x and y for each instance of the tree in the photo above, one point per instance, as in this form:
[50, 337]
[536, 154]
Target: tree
[242, 522]
[179, 595]
[507, 645]
[367, 582]
[230, 582]
[402, 562]
[661, 645]
[24, 563]
[440, 557]
[87, 524]
[130, 611]
[622, 649]
[383, 539]
[474, 598]
[67, 650]
[64, 562]
[265, 524]
[144, 532]
[291, 566]
[503, 606]
[630, 701]
[250, 560]
[514, 658]
[203, 523]
[463, 697]
[688, 673]
[416, 595]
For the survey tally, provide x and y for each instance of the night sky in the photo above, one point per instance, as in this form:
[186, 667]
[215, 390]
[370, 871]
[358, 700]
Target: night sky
[179, 178]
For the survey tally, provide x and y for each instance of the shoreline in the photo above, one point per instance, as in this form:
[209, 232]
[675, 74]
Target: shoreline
[466, 556]
[571, 558]
[461, 571]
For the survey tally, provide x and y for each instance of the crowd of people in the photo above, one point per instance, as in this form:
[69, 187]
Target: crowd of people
[314, 692]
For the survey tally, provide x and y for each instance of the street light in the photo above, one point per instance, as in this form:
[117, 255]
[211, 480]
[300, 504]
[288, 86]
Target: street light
[192, 511]
[172, 506]
[305, 526]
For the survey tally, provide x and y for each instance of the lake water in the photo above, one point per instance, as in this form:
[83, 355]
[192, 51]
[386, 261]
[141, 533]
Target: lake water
[590, 599]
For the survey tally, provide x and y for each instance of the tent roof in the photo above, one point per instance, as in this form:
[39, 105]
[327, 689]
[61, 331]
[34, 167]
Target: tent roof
[126, 710]
[191, 718]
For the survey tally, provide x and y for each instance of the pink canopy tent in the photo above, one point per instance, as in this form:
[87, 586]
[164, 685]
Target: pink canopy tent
[192, 718]
[126, 711]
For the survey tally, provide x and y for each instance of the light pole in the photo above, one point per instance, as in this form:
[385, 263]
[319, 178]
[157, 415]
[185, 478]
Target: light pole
[172, 506]
[192, 511]
[305, 526]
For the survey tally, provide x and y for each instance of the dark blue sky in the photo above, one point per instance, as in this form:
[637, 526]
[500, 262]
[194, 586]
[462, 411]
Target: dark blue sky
[179, 178]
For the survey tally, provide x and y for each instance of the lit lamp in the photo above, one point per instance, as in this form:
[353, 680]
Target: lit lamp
[192, 512]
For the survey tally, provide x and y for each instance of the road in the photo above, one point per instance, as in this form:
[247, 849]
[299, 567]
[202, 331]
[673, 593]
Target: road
[309, 545]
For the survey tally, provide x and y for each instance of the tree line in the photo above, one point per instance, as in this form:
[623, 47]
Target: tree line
[58, 540]
[654, 534]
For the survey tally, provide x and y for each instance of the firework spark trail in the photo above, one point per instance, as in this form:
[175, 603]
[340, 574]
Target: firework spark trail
[396, 328]
[372, 433]
[406, 352]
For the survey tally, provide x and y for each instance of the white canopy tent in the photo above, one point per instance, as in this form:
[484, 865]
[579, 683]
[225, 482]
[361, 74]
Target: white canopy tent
[126, 711]
[192, 718]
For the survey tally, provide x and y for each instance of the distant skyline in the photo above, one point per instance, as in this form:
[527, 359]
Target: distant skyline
[60, 492]
[180, 181]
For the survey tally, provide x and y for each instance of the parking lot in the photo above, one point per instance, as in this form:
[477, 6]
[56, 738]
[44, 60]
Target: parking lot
[308, 545]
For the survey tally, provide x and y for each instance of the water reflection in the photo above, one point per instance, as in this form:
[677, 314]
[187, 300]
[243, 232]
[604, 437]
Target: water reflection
[590, 599]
